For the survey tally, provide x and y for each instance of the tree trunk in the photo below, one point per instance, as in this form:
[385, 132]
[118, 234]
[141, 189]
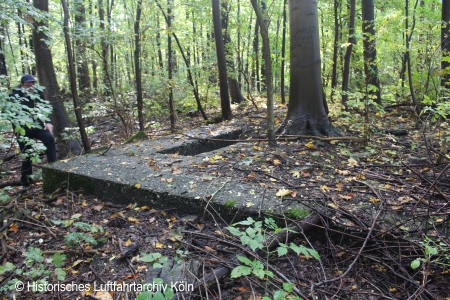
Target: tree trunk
[337, 31]
[73, 79]
[283, 53]
[370, 51]
[233, 84]
[264, 26]
[348, 52]
[137, 57]
[84, 80]
[445, 44]
[170, 65]
[3, 68]
[306, 112]
[47, 78]
[221, 63]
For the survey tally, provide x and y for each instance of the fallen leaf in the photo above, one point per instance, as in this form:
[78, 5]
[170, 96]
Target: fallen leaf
[283, 192]
[14, 228]
[159, 245]
[103, 295]
[137, 185]
[311, 145]
[352, 162]
[210, 249]
[98, 207]
[134, 220]
[128, 243]
[76, 216]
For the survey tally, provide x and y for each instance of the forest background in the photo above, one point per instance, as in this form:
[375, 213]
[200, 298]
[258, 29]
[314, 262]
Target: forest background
[391, 54]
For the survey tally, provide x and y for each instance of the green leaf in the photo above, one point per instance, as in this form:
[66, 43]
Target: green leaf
[58, 259]
[144, 296]
[34, 254]
[282, 251]
[234, 231]
[255, 245]
[245, 260]
[158, 296]
[416, 263]
[241, 271]
[60, 274]
[7, 268]
[279, 295]
[259, 273]
[288, 287]
[150, 257]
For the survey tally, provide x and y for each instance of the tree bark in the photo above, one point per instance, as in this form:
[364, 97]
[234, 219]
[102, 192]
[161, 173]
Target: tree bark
[47, 78]
[73, 79]
[264, 26]
[306, 112]
[221, 63]
[370, 51]
[348, 53]
[445, 44]
[84, 80]
[137, 58]
[283, 53]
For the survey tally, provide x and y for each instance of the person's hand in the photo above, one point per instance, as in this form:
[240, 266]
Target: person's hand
[48, 127]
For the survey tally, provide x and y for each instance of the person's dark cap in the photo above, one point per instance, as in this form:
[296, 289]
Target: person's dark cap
[27, 78]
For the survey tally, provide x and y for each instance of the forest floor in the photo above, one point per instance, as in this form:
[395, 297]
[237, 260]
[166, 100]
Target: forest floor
[379, 210]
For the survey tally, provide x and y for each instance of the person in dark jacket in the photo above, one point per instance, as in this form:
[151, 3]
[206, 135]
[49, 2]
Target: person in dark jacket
[28, 96]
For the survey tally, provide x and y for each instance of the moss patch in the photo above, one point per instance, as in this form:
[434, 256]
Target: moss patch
[138, 136]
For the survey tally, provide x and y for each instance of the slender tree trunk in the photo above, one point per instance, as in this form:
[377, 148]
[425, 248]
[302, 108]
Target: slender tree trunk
[221, 63]
[348, 53]
[3, 68]
[137, 57]
[283, 53]
[264, 26]
[47, 78]
[445, 44]
[233, 84]
[170, 64]
[370, 52]
[84, 80]
[73, 80]
[337, 29]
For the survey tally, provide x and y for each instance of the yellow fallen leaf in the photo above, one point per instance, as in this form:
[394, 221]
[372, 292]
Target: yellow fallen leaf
[283, 192]
[159, 245]
[324, 188]
[134, 220]
[137, 185]
[352, 162]
[311, 145]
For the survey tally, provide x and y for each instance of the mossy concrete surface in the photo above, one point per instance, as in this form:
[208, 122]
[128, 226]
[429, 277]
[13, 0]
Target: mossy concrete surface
[154, 173]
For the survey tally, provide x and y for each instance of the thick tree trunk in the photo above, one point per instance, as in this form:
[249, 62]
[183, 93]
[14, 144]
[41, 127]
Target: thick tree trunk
[47, 78]
[221, 63]
[306, 112]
